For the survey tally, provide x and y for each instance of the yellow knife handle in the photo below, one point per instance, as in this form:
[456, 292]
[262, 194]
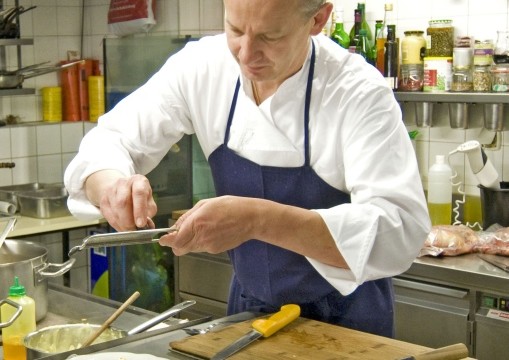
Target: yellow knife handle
[279, 320]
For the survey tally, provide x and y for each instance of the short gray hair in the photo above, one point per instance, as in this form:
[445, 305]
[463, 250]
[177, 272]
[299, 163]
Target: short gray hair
[310, 7]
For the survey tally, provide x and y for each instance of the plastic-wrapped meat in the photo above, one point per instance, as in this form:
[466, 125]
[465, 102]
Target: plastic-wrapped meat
[496, 242]
[449, 240]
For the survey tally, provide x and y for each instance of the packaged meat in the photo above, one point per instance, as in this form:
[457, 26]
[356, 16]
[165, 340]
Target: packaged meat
[449, 240]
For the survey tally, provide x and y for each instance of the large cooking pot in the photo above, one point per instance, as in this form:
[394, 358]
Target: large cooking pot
[62, 338]
[28, 261]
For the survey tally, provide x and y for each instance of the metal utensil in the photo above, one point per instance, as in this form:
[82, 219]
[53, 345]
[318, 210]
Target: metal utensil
[214, 326]
[451, 352]
[494, 260]
[7, 230]
[161, 317]
[121, 238]
[112, 318]
[261, 327]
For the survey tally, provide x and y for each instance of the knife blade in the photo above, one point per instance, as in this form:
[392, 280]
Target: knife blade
[451, 352]
[495, 262]
[261, 328]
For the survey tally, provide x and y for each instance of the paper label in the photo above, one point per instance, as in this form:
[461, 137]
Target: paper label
[498, 314]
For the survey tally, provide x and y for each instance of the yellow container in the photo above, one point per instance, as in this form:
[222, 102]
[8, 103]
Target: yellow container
[96, 97]
[52, 103]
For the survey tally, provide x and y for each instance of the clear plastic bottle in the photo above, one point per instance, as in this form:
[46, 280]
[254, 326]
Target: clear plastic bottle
[12, 336]
[440, 192]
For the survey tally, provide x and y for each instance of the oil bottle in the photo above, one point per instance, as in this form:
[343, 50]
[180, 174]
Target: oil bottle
[12, 336]
[440, 192]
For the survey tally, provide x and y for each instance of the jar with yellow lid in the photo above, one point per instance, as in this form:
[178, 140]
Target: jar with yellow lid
[413, 47]
[440, 38]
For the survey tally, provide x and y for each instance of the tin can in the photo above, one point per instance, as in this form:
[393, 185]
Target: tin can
[437, 74]
[52, 103]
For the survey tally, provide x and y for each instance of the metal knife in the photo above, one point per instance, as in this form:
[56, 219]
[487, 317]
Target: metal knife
[492, 259]
[261, 327]
[451, 352]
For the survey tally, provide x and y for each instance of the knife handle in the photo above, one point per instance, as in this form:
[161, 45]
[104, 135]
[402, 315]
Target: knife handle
[451, 352]
[279, 320]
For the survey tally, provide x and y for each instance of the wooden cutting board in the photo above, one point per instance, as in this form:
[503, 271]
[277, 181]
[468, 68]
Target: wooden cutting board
[302, 339]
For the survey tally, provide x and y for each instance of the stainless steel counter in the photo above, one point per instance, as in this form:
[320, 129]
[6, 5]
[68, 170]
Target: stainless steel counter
[465, 271]
[70, 306]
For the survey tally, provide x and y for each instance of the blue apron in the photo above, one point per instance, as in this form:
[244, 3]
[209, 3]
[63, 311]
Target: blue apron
[265, 276]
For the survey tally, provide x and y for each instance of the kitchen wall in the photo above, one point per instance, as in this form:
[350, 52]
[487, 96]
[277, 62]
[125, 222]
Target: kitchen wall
[41, 152]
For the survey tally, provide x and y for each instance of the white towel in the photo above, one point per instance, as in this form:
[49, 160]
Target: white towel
[7, 208]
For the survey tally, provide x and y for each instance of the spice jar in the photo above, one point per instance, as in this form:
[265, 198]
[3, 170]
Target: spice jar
[500, 78]
[440, 40]
[483, 52]
[411, 77]
[481, 78]
[413, 47]
[462, 80]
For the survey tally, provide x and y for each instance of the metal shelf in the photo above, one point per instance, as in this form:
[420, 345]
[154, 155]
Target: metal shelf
[9, 42]
[447, 97]
[10, 92]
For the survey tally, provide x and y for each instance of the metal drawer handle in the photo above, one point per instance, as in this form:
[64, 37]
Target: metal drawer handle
[440, 290]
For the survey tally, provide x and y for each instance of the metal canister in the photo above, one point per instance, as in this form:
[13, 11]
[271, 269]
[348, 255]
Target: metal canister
[413, 47]
[437, 74]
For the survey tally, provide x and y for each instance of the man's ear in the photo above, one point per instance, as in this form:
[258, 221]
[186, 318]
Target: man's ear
[321, 17]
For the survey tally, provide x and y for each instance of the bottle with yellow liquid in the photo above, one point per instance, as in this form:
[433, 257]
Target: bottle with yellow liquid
[12, 336]
[440, 192]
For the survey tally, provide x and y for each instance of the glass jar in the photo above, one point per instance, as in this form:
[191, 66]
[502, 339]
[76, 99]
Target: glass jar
[483, 52]
[413, 47]
[440, 40]
[411, 77]
[500, 78]
[501, 52]
[481, 78]
[462, 80]
[462, 57]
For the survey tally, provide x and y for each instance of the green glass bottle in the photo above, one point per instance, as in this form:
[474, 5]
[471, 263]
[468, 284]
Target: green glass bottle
[339, 35]
[363, 47]
[378, 29]
[354, 39]
[364, 24]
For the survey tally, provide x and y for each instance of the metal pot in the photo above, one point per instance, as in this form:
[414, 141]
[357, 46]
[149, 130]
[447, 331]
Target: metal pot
[62, 338]
[28, 261]
[13, 79]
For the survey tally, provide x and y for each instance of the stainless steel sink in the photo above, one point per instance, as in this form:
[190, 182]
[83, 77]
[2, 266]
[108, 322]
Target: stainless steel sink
[39, 200]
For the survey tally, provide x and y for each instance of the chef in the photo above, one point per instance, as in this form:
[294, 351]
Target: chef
[319, 200]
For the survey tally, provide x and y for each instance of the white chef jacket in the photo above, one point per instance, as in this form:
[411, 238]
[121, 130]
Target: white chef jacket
[358, 144]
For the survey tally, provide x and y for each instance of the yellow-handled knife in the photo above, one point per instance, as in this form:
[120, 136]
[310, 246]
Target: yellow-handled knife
[261, 327]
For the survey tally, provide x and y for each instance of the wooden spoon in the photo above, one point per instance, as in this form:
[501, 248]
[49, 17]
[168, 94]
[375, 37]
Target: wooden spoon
[112, 318]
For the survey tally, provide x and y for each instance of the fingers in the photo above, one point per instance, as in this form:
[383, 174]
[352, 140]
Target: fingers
[128, 204]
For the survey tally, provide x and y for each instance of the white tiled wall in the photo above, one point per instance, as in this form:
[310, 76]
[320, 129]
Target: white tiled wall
[42, 154]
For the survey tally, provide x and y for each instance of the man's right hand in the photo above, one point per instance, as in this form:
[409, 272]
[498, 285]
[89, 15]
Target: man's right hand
[125, 202]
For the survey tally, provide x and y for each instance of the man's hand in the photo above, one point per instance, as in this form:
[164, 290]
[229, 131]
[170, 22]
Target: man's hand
[125, 202]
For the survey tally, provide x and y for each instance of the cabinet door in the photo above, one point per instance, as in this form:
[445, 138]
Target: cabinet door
[490, 337]
[431, 315]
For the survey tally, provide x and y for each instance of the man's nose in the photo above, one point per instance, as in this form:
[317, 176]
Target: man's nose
[249, 49]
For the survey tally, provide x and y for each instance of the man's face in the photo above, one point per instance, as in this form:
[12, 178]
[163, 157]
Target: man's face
[268, 38]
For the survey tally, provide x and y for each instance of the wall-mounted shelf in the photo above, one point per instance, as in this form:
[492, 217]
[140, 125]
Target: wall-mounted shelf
[11, 92]
[10, 42]
[448, 97]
